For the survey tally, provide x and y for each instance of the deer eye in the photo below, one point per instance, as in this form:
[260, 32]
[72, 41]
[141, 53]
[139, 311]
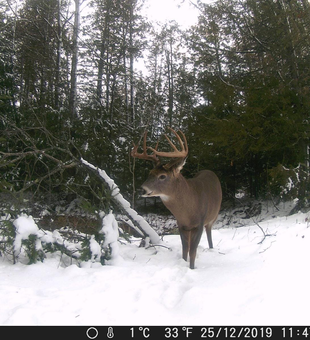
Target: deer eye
[162, 177]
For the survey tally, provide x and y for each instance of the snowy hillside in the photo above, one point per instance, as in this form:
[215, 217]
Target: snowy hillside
[238, 282]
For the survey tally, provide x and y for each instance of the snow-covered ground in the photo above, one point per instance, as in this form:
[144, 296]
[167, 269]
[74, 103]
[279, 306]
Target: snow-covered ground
[238, 282]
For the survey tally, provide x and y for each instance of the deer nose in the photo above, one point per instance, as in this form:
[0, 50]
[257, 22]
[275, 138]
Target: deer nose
[147, 191]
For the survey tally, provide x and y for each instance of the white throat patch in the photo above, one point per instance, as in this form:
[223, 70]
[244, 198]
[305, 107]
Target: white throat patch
[164, 198]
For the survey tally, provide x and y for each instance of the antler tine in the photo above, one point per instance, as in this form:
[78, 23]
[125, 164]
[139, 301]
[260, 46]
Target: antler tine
[154, 156]
[144, 154]
[176, 153]
[183, 145]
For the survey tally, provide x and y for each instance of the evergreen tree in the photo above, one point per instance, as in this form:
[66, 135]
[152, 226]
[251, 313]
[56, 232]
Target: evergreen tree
[249, 56]
[237, 84]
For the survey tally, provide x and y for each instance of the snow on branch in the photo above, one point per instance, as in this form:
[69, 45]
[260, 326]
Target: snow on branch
[138, 221]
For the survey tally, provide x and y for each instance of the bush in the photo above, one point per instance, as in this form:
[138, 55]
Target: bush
[290, 183]
[22, 240]
[7, 237]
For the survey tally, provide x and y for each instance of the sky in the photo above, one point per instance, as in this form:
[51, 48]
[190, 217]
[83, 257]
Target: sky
[162, 11]
[182, 11]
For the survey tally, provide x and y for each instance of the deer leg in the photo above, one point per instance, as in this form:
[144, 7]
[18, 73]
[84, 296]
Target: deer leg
[195, 239]
[185, 238]
[209, 236]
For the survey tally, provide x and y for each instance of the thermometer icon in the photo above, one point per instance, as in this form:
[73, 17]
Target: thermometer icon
[110, 334]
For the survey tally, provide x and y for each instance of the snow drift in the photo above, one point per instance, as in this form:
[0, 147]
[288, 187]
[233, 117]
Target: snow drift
[238, 282]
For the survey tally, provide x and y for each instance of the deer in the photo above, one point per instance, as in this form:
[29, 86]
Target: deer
[194, 202]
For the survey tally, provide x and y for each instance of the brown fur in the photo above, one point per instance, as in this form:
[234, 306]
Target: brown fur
[194, 202]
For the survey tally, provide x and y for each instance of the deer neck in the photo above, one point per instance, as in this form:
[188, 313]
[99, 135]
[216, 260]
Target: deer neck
[177, 200]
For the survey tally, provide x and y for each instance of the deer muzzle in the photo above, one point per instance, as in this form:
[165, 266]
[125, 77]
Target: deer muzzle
[147, 191]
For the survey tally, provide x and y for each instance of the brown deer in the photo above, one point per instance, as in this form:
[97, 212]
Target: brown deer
[194, 202]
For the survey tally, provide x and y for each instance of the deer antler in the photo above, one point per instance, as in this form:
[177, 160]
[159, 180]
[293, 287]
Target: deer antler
[176, 153]
[145, 155]
[154, 156]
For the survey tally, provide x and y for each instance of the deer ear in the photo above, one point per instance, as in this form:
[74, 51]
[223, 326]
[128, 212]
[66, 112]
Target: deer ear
[156, 164]
[176, 165]
[180, 165]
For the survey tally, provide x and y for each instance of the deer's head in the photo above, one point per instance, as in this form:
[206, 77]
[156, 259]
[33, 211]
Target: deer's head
[162, 179]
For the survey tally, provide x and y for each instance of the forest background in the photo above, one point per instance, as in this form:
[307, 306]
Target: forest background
[237, 83]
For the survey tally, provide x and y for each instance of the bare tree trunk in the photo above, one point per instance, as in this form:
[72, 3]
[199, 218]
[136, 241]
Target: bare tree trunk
[131, 56]
[126, 88]
[103, 60]
[57, 71]
[170, 83]
[73, 82]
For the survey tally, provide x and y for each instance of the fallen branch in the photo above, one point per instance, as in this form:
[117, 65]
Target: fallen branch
[266, 248]
[42, 166]
[141, 225]
[158, 245]
[263, 231]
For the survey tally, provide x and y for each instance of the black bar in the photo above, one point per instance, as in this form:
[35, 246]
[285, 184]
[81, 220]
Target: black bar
[155, 332]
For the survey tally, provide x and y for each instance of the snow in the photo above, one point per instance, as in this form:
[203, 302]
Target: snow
[94, 248]
[111, 234]
[24, 227]
[240, 282]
